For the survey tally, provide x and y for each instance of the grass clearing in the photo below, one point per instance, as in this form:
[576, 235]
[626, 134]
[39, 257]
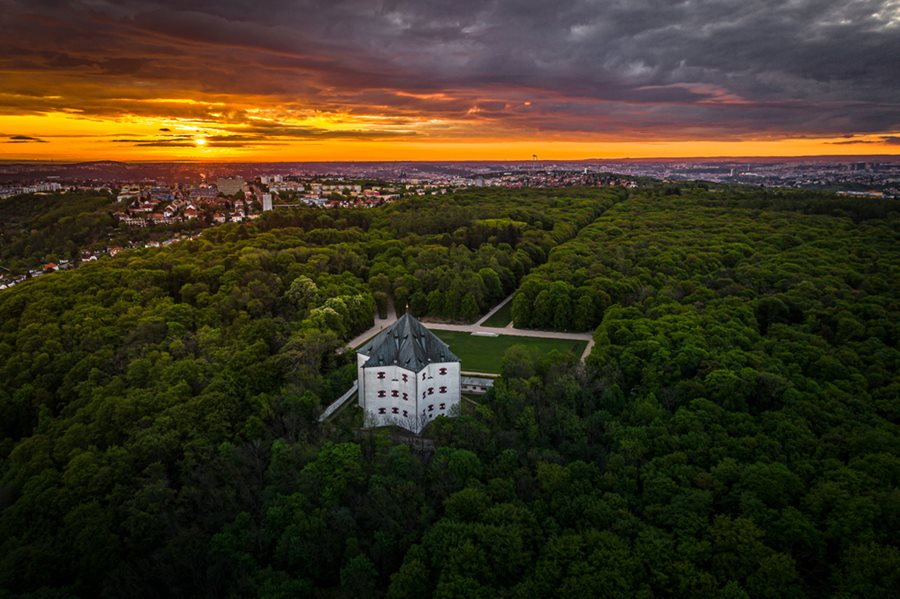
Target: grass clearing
[501, 317]
[485, 354]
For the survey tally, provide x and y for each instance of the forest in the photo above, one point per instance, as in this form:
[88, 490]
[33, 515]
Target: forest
[49, 227]
[36, 229]
[734, 432]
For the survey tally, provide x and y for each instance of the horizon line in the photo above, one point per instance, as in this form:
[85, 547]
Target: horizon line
[832, 157]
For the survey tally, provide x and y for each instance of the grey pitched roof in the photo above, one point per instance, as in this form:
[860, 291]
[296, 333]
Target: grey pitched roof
[406, 343]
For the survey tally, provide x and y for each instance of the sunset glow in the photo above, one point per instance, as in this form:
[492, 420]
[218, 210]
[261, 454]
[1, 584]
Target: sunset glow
[367, 80]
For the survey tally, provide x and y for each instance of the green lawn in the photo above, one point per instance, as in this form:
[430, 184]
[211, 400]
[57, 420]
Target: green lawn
[485, 354]
[501, 317]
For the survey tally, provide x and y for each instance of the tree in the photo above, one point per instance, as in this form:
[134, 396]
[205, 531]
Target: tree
[521, 311]
[358, 577]
[468, 310]
[303, 293]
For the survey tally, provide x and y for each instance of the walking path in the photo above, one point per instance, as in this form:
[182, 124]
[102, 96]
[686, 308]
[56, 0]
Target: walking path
[491, 312]
[512, 331]
[475, 373]
[473, 328]
[380, 325]
[477, 328]
[340, 401]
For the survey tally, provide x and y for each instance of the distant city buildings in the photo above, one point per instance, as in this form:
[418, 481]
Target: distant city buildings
[43, 187]
[146, 202]
[230, 185]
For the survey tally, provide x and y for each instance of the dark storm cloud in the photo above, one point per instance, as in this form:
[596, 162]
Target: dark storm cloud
[256, 135]
[891, 140]
[22, 139]
[723, 68]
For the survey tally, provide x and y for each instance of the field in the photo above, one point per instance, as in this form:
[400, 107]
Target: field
[501, 317]
[485, 354]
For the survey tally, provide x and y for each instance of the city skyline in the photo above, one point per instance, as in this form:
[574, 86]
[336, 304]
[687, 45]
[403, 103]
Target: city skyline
[394, 80]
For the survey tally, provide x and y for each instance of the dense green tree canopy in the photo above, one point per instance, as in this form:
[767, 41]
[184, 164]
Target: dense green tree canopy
[733, 433]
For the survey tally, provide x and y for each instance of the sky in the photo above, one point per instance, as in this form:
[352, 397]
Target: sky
[301, 80]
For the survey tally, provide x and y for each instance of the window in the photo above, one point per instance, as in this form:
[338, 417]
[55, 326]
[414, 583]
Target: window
[423, 375]
[405, 396]
[395, 393]
[430, 390]
[394, 410]
[443, 389]
[423, 394]
[405, 414]
[443, 371]
[443, 406]
[431, 407]
[380, 374]
[405, 378]
[381, 410]
[382, 393]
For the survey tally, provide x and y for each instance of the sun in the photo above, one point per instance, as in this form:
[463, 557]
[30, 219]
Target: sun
[200, 141]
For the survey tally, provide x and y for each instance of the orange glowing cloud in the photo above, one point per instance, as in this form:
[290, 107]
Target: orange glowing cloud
[361, 80]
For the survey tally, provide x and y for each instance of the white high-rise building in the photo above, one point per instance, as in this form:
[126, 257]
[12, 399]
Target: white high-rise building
[407, 377]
